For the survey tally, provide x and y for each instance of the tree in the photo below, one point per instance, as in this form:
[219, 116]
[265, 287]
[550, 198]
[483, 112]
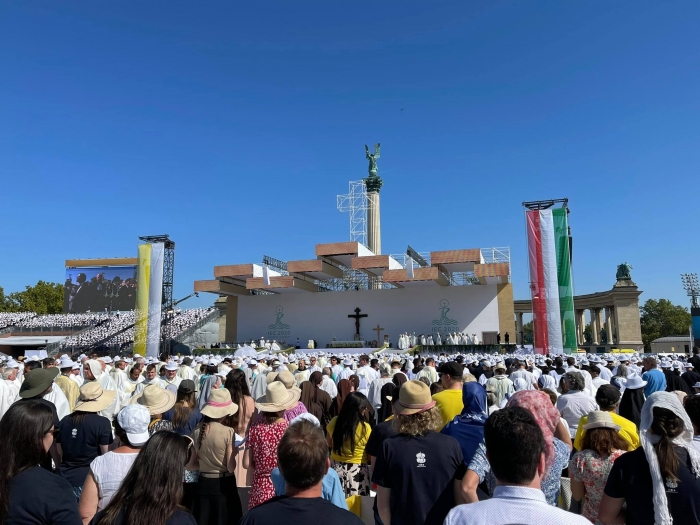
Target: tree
[527, 333]
[662, 319]
[43, 298]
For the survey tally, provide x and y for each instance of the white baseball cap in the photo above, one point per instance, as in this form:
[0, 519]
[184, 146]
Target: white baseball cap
[134, 419]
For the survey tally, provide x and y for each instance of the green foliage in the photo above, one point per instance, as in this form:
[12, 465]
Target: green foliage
[43, 298]
[528, 338]
[662, 319]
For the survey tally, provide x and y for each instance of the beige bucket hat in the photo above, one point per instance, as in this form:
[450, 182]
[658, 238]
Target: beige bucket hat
[93, 398]
[156, 399]
[277, 398]
[219, 404]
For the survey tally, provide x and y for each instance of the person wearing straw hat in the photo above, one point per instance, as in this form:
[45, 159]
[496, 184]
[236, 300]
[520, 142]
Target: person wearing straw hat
[264, 436]
[158, 401]
[419, 470]
[84, 435]
[217, 501]
[601, 445]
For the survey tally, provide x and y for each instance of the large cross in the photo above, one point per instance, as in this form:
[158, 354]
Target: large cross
[379, 331]
[357, 316]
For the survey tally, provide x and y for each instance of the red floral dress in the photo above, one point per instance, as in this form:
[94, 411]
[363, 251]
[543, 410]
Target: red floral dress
[263, 439]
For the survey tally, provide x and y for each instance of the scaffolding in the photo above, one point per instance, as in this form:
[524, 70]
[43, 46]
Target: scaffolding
[356, 203]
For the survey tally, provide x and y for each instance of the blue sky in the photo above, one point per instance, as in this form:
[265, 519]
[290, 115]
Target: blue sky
[232, 126]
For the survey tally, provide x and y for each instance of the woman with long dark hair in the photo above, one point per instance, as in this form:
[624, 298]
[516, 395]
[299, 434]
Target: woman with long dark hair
[184, 414]
[151, 492]
[659, 480]
[316, 401]
[237, 385]
[345, 387]
[348, 434]
[29, 493]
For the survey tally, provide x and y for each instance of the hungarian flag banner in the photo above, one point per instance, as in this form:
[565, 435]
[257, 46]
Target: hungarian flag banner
[550, 281]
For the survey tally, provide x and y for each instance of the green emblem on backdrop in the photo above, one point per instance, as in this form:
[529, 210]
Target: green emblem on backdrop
[278, 325]
[444, 320]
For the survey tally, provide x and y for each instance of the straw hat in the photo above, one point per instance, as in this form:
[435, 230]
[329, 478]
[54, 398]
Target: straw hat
[219, 404]
[414, 398]
[93, 398]
[270, 377]
[156, 399]
[287, 379]
[600, 419]
[277, 398]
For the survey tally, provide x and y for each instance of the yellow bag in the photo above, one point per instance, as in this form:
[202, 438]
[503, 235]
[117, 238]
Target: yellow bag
[355, 505]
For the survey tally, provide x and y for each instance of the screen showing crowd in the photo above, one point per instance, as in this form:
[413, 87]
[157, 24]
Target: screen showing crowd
[99, 289]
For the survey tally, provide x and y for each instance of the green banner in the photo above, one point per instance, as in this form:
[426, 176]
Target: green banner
[566, 289]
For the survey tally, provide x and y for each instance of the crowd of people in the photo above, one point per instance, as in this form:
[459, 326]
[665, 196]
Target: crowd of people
[117, 328]
[451, 439]
[98, 293]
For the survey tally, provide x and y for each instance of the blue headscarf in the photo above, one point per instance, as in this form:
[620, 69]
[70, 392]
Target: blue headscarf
[468, 427]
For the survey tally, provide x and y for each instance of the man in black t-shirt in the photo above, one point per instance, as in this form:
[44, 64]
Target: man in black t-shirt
[303, 462]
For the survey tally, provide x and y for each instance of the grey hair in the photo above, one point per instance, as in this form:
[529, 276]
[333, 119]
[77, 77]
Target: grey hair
[621, 370]
[576, 380]
[326, 371]
[7, 372]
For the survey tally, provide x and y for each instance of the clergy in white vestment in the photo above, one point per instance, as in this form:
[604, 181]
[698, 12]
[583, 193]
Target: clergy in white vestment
[150, 377]
[438, 339]
[127, 384]
[8, 389]
[93, 372]
[375, 389]
[423, 340]
[367, 371]
[59, 399]
[347, 371]
[429, 371]
[328, 385]
[172, 381]
[186, 371]
[76, 376]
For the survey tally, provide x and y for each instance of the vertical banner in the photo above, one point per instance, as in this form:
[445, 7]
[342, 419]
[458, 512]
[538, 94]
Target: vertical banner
[544, 283]
[149, 295]
[539, 304]
[566, 289]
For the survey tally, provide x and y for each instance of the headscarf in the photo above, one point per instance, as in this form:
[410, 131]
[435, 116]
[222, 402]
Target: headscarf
[468, 427]
[205, 391]
[669, 401]
[548, 382]
[520, 384]
[631, 405]
[259, 388]
[343, 392]
[308, 394]
[589, 388]
[546, 416]
[95, 368]
[385, 410]
[399, 378]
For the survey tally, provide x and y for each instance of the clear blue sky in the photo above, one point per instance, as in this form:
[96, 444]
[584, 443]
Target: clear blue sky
[233, 125]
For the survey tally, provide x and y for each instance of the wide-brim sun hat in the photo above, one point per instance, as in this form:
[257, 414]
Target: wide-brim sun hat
[600, 419]
[156, 399]
[635, 382]
[219, 404]
[278, 398]
[37, 381]
[414, 398]
[93, 398]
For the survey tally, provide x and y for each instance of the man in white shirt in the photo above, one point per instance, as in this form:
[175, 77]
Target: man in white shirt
[522, 373]
[366, 371]
[346, 372]
[375, 389]
[515, 449]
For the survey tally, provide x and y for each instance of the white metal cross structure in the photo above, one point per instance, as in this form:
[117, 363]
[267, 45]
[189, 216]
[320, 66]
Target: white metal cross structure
[355, 202]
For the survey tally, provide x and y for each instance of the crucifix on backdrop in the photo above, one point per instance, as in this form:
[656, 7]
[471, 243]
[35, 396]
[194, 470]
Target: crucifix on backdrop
[379, 331]
[357, 316]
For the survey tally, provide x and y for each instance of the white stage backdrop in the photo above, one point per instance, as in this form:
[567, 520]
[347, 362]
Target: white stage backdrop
[324, 315]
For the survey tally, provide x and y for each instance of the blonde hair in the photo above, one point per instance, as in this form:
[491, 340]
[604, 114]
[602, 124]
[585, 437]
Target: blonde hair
[469, 378]
[419, 424]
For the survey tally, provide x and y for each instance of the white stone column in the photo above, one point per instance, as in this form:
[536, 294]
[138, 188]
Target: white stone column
[608, 324]
[595, 326]
[374, 229]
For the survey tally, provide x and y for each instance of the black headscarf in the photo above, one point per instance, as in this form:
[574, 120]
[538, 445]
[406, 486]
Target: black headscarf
[631, 405]
[385, 410]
